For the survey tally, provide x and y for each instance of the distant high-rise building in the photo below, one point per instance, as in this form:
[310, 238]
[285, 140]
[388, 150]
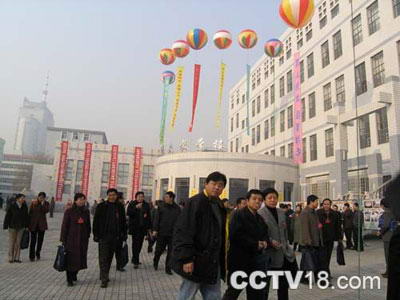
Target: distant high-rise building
[33, 120]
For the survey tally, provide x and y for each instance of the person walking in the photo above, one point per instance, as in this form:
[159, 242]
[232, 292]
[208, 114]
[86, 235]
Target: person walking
[38, 225]
[109, 231]
[386, 231]
[358, 224]
[163, 227]
[16, 221]
[75, 234]
[248, 235]
[348, 226]
[199, 242]
[331, 232]
[280, 256]
[139, 225]
[1, 201]
[296, 227]
[52, 206]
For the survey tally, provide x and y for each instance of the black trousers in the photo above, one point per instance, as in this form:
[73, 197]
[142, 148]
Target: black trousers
[151, 241]
[325, 256]
[137, 244]
[36, 236]
[393, 290]
[162, 243]
[71, 276]
[348, 233]
[107, 249]
[358, 239]
[283, 291]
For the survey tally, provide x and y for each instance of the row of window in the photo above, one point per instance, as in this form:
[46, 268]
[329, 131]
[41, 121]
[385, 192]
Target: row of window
[76, 136]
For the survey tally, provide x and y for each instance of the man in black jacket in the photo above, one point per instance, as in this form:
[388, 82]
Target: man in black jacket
[358, 225]
[331, 232]
[163, 226]
[109, 230]
[348, 217]
[139, 225]
[199, 242]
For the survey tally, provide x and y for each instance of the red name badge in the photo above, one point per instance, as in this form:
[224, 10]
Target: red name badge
[328, 221]
[319, 225]
[80, 221]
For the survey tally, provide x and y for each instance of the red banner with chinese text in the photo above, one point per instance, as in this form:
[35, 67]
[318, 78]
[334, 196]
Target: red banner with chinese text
[61, 170]
[137, 162]
[112, 180]
[86, 169]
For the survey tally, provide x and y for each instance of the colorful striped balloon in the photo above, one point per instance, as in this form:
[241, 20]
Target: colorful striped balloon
[197, 38]
[167, 56]
[168, 77]
[273, 47]
[247, 38]
[181, 48]
[222, 39]
[297, 13]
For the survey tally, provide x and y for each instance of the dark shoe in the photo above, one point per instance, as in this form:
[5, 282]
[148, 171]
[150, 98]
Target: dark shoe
[169, 272]
[38, 256]
[155, 265]
[70, 283]
[11, 261]
[17, 261]
[74, 278]
[136, 266]
[121, 269]
[104, 284]
[31, 258]
[150, 250]
[384, 275]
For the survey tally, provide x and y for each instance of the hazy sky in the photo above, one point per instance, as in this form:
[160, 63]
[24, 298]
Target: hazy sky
[104, 68]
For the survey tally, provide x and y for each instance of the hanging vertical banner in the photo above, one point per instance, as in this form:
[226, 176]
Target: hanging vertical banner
[221, 89]
[178, 93]
[196, 81]
[137, 164]
[297, 128]
[248, 98]
[112, 180]
[86, 169]
[61, 170]
[164, 113]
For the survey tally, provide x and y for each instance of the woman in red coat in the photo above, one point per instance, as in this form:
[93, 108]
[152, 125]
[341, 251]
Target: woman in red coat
[75, 233]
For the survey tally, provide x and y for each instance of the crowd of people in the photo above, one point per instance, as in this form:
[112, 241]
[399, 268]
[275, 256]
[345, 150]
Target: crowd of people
[206, 239]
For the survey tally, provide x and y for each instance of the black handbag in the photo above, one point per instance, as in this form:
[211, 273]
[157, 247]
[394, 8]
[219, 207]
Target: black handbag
[340, 255]
[124, 258]
[60, 263]
[25, 239]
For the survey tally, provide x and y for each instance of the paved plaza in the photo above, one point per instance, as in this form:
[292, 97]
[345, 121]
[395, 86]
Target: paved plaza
[38, 280]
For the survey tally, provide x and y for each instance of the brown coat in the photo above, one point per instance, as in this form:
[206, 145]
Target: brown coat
[311, 230]
[75, 233]
[37, 216]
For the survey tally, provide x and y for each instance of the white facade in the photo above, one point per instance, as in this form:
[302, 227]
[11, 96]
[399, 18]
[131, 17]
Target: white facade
[185, 174]
[33, 120]
[55, 134]
[99, 170]
[332, 161]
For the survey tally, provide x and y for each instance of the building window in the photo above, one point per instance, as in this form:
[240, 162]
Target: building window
[253, 136]
[258, 131]
[164, 182]
[310, 65]
[304, 150]
[357, 30]
[231, 146]
[123, 173]
[302, 71]
[361, 79]
[266, 129]
[79, 171]
[103, 192]
[182, 189]
[303, 110]
[69, 169]
[237, 120]
[311, 106]
[247, 148]
[282, 150]
[272, 152]
[238, 188]
[373, 17]
[289, 81]
[364, 131]
[264, 184]
[378, 69]
[282, 121]
[382, 126]
[67, 189]
[64, 135]
[358, 181]
[337, 45]
[202, 183]
[313, 147]
[340, 90]
[232, 103]
[237, 145]
[329, 143]
[243, 99]
[148, 173]
[290, 116]
[288, 53]
[253, 108]
[322, 22]
[272, 94]
[287, 191]
[86, 137]
[335, 11]
[237, 100]
[325, 54]
[266, 96]
[281, 60]
[231, 124]
[272, 126]
[396, 8]
[309, 35]
[290, 151]
[243, 123]
[258, 104]
[77, 188]
[299, 44]
[282, 87]
[105, 172]
[327, 97]
[398, 52]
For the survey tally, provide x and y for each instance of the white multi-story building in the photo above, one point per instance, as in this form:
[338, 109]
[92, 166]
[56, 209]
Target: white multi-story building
[2, 144]
[33, 120]
[340, 95]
